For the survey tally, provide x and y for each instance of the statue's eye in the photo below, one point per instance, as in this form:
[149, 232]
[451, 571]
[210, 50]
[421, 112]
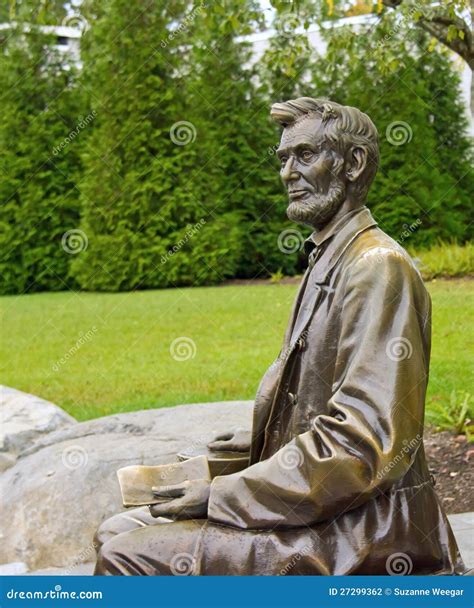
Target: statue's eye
[283, 160]
[307, 155]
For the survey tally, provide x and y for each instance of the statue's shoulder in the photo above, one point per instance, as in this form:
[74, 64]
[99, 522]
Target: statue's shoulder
[375, 249]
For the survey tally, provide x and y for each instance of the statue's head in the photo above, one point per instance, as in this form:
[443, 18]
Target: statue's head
[329, 155]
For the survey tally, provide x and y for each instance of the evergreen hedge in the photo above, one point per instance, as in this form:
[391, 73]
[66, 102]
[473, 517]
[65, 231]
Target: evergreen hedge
[159, 156]
[39, 108]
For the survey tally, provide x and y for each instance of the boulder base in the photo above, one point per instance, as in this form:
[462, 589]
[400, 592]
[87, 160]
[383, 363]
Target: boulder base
[65, 484]
[24, 418]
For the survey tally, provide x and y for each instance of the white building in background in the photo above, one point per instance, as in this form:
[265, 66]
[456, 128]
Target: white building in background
[68, 41]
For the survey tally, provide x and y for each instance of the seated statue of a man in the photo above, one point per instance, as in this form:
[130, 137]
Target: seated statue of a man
[337, 481]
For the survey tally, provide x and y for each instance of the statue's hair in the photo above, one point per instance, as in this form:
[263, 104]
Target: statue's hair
[345, 127]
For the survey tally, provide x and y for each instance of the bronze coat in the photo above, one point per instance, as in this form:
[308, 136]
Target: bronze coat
[338, 482]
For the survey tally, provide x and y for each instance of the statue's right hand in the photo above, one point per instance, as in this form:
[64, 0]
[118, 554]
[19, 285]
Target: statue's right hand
[236, 441]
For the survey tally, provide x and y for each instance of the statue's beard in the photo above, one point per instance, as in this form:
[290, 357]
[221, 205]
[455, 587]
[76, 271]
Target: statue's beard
[319, 209]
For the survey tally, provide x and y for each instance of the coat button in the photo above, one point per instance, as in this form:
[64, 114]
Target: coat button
[293, 399]
[301, 342]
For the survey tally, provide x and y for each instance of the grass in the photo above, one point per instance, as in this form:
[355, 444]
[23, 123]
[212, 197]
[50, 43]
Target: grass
[98, 354]
[452, 342]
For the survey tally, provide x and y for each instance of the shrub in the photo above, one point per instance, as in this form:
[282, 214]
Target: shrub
[455, 415]
[445, 260]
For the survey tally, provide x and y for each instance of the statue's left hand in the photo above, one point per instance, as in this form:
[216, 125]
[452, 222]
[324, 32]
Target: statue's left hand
[235, 441]
[188, 500]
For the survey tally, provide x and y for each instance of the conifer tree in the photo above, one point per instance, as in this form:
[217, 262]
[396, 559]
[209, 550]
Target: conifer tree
[234, 169]
[415, 185]
[41, 113]
[130, 196]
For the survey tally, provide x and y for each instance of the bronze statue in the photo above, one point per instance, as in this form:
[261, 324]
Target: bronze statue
[337, 481]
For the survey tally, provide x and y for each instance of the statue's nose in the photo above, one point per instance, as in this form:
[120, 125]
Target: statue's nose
[288, 172]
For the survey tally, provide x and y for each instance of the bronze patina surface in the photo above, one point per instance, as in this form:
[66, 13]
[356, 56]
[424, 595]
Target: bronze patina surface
[337, 481]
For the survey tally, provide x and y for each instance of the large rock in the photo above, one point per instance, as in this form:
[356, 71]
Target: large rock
[65, 484]
[24, 418]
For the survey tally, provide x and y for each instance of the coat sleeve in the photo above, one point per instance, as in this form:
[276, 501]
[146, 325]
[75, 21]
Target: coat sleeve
[368, 438]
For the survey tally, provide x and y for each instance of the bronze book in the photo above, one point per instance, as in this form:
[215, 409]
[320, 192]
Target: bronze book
[138, 481]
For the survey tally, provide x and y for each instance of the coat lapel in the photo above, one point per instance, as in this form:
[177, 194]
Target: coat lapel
[309, 293]
[320, 274]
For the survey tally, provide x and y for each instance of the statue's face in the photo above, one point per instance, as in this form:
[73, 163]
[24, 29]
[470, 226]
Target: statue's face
[312, 173]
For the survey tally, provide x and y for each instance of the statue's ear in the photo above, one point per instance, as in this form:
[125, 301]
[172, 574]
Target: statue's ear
[357, 163]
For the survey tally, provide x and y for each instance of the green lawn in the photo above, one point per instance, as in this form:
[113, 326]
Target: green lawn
[123, 361]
